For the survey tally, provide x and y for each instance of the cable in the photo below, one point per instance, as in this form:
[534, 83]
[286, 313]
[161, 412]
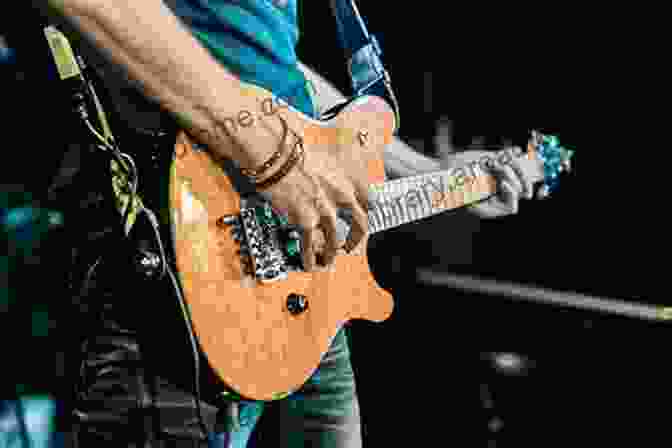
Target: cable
[194, 346]
[127, 165]
[185, 313]
[106, 143]
[131, 171]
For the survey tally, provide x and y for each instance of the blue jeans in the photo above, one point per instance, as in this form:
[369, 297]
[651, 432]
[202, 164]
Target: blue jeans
[131, 391]
[323, 413]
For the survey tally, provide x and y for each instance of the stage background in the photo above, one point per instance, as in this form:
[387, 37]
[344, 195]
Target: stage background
[425, 374]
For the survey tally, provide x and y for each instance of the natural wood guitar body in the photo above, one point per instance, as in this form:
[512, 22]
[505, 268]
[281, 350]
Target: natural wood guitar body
[251, 341]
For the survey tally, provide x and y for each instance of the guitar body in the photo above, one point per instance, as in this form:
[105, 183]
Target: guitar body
[252, 342]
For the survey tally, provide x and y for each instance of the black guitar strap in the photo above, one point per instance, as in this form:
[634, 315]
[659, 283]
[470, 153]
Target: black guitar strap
[362, 51]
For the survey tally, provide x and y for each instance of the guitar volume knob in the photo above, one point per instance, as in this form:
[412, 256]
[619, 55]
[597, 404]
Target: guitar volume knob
[296, 304]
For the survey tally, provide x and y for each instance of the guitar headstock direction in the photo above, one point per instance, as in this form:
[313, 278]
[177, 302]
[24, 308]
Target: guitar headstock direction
[555, 158]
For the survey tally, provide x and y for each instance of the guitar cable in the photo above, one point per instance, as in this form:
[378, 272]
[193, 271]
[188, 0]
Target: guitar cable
[106, 144]
[72, 70]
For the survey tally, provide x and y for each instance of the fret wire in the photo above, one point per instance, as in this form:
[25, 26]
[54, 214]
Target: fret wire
[392, 198]
[380, 209]
[426, 206]
[411, 213]
[432, 208]
[385, 211]
[422, 207]
[393, 206]
[373, 226]
[390, 206]
[373, 212]
[380, 213]
[398, 202]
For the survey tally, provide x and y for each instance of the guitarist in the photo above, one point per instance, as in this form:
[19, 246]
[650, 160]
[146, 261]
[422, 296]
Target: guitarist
[188, 57]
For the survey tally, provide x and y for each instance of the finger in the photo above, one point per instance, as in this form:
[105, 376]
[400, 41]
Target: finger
[358, 230]
[357, 204]
[329, 226]
[506, 174]
[516, 152]
[509, 196]
[524, 180]
[358, 207]
[363, 195]
[308, 249]
[309, 222]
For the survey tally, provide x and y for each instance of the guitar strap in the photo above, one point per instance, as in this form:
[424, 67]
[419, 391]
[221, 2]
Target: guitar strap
[362, 52]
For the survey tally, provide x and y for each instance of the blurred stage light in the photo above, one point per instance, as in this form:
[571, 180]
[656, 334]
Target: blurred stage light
[7, 54]
[38, 413]
[510, 363]
[27, 225]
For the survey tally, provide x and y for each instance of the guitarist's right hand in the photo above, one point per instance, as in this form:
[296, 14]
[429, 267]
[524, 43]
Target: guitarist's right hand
[184, 77]
[312, 192]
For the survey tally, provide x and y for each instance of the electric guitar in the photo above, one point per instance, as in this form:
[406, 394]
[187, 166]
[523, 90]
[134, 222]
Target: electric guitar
[262, 322]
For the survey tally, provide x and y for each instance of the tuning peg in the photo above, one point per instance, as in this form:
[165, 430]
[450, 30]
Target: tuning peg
[567, 161]
[566, 166]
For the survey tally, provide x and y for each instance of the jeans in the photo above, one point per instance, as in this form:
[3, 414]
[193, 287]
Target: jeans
[126, 396]
[323, 413]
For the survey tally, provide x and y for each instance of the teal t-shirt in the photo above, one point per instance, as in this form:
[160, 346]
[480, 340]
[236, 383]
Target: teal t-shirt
[254, 39]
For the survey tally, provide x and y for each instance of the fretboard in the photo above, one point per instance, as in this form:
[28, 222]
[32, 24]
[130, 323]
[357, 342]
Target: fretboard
[409, 199]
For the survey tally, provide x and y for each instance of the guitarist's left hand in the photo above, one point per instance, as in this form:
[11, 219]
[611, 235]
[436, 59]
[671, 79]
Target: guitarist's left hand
[513, 180]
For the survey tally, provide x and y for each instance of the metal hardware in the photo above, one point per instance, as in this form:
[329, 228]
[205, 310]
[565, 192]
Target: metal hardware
[296, 304]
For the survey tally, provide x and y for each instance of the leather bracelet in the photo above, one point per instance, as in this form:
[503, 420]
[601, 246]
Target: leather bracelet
[252, 173]
[296, 156]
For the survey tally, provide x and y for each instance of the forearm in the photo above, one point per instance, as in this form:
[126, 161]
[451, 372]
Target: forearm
[400, 159]
[152, 45]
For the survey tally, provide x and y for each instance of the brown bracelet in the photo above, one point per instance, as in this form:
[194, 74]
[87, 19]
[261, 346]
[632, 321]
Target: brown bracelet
[255, 174]
[267, 164]
[296, 156]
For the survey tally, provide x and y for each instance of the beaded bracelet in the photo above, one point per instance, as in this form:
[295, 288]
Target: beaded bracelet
[267, 164]
[295, 157]
[253, 174]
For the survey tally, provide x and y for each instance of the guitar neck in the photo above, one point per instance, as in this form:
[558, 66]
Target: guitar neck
[402, 201]
[409, 199]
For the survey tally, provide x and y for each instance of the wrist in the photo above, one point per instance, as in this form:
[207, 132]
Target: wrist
[245, 132]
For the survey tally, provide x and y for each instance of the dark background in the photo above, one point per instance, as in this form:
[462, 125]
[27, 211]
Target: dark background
[589, 76]
[426, 374]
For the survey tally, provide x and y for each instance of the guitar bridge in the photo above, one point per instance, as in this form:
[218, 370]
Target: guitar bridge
[271, 246]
